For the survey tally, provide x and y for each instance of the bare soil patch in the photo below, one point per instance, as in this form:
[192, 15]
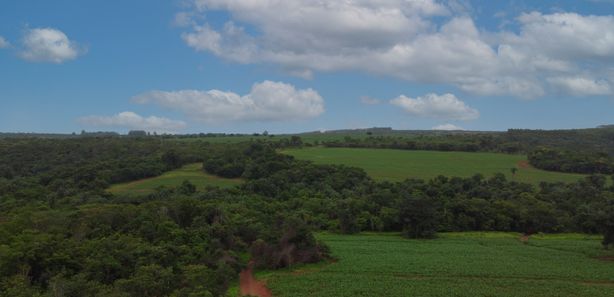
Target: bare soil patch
[524, 164]
[250, 286]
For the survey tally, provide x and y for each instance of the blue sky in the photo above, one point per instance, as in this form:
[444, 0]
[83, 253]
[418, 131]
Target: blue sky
[291, 66]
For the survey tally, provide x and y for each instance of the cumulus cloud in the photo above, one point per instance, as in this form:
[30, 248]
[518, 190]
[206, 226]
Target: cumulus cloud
[403, 39]
[448, 127]
[267, 101]
[4, 43]
[581, 85]
[48, 45]
[131, 120]
[445, 106]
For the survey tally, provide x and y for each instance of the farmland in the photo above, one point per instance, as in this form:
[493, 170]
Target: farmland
[62, 231]
[455, 264]
[397, 165]
[192, 173]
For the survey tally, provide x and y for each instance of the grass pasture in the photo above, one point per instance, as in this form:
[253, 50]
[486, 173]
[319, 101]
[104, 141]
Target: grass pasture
[397, 165]
[192, 173]
[455, 264]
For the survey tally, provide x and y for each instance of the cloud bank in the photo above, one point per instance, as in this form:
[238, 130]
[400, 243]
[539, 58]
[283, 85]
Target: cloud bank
[445, 106]
[409, 40]
[48, 45]
[131, 120]
[267, 101]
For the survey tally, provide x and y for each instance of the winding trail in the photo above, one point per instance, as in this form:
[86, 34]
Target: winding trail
[250, 286]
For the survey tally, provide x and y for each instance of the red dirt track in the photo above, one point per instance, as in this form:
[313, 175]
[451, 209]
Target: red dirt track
[523, 164]
[250, 286]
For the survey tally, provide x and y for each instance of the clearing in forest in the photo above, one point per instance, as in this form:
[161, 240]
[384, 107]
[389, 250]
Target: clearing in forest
[398, 165]
[192, 173]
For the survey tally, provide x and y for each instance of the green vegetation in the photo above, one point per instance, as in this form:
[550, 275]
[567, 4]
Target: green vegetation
[455, 264]
[193, 173]
[61, 230]
[398, 165]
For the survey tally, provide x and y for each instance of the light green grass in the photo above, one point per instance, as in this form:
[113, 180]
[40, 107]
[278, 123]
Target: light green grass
[192, 173]
[455, 264]
[398, 165]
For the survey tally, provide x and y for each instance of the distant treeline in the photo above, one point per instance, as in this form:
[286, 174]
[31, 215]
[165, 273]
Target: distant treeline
[568, 161]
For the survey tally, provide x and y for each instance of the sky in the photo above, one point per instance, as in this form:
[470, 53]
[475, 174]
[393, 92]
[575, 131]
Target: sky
[286, 66]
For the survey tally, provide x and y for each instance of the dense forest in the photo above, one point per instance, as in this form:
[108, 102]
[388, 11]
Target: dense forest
[62, 234]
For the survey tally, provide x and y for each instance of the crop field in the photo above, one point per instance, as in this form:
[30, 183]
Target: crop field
[398, 165]
[192, 173]
[455, 264]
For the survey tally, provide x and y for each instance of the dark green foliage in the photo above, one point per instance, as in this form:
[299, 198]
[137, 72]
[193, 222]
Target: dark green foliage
[293, 243]
[606, 222]
[61, 234]
[419, 217]
[567, 161]
[186, 188]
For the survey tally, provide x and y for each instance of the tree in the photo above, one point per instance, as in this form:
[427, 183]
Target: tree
[296, 141]
[137, 133]
[171, 159]
[419, 217]
[606, 223]
[149, 281]
[514, 170]
[186, 188]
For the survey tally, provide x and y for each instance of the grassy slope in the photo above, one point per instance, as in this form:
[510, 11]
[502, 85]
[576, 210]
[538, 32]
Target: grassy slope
[397, 165]
[456, 264]
[191, 172]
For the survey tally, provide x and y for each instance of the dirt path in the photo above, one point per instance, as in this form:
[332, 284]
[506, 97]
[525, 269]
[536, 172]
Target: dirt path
[524, 238]
[523, 164]
[250, 286]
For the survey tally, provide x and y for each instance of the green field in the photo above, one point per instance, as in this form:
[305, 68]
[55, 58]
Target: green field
[455, 264]
[397, 165]
[192, 173]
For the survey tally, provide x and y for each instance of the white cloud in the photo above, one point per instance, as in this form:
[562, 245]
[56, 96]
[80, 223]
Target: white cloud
[4, 43]
[566, 36]
[445, 106]
[401, 38]
[448, 127]
[581, 86]
[49, 45]
[267, 101]
[131, 120]
[183, 19]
